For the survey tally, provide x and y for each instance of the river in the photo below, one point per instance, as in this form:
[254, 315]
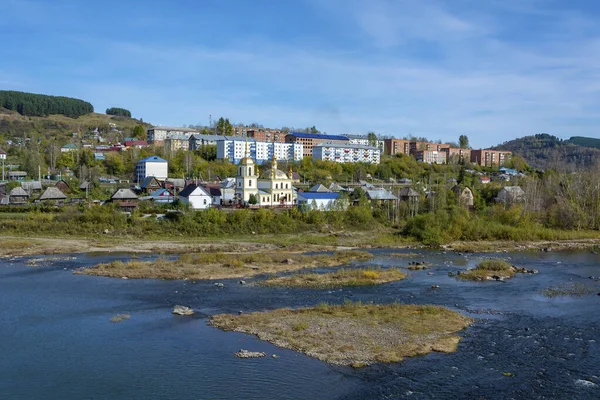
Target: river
[57, 340]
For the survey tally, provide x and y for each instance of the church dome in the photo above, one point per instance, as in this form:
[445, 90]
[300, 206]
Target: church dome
[279, 174]
[247, 161]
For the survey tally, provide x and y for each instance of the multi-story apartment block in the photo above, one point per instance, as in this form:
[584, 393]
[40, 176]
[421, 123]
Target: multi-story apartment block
[490, 158]
[195, 142]
[234, 149]
[266, 135]
[346, 153]
[174, 143]
[419, 146]
[431, 156]
[455, 155]
[364, 140]
[151, 166]
[158, 134]
[309, 140]
[396, 146]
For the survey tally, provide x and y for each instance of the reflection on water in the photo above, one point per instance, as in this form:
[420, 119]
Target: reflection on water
[57, 341]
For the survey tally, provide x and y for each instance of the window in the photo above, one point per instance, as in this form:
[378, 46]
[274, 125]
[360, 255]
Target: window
[204, 201]
[276, 186]
[286, 185]
[250, 183]
[249, 170]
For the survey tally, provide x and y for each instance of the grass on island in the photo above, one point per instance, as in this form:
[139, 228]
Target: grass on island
[354, 333]
[337, 279]
[120, 317]
[488, 269]
[223, 265]
[569, 289]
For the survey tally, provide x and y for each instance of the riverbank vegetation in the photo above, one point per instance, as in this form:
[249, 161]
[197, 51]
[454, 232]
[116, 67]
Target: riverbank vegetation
[337, 279]
[354, 333]
[489, 270]
[218, 265]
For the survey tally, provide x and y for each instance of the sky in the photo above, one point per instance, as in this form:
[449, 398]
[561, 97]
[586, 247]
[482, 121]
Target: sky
[493, 70]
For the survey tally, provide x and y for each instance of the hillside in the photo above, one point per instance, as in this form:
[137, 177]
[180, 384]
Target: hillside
[14, 126]
[585, 141]
[41, 105]
[547, 151]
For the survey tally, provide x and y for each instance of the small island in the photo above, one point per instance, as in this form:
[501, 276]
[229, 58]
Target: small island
[341, 278]
[492, 270]
[218, 265]
[354, 334]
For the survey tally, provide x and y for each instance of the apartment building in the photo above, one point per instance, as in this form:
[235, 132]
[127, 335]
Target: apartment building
[419, 146]
[490, 158]
[234, 149]
[309, 140]
[396, 146]
[455, 155]
[346, 153]
[431, 156]
[267, 135]
[158, 134]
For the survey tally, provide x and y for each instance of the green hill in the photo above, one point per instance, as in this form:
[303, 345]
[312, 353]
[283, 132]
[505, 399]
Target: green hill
[43, 105]
[547, 151]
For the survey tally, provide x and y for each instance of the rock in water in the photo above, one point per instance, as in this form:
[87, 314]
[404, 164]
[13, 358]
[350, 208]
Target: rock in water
[250, 354]
[183, 310]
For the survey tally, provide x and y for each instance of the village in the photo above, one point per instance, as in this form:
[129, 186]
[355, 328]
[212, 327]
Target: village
[258, 181]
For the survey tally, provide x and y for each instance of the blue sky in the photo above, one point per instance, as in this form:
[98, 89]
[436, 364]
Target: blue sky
[493, 70]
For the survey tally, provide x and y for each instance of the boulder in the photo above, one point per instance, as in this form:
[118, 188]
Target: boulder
[219, 284]
[287, 261]
[182, 310]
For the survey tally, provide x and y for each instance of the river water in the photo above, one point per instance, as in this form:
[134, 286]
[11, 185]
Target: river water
[57, 341]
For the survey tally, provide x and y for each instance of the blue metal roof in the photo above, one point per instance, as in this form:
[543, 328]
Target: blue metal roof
[153, 159]
[318, 196]
[317, 136]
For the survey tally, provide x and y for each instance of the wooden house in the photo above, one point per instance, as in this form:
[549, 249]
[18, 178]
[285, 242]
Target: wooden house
[18, 195]
[52, 195]
[125, 199]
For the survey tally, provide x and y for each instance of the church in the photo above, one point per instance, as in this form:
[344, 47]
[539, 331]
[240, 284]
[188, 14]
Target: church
[272, 189]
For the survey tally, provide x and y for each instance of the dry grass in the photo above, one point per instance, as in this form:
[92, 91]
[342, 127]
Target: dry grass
[340, 278]
[569, 289]
[489, 269]
[353, 333]
[223, 265]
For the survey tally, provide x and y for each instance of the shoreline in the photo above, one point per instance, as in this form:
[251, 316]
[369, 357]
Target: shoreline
[19, 246]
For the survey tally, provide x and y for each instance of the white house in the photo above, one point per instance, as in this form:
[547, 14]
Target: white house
[346, 153]
[151, 166]
[196, 196]
[158, 134]
[321, 201]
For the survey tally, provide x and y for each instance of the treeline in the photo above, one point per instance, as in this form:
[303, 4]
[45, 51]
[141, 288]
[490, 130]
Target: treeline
[119, 112]
[545, 151]
[585, 141]
[41, 105]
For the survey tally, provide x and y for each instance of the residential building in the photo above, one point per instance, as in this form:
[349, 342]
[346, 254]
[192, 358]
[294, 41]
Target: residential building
[234, 149]
[195, 196]
[2, 155]
[464, 196]
[321, 201]
[380, 195]
[196, 142]
[151, 166]
[455, 155]
[431, 156]
[18, 195]
[346, 153]
[396, 146]
[364, 140]
[490, 158]
[266, 135]
[174, 143]
[52, 195]
[69, 147]
[158, 134]
[17, 175]
[150, 185]
[125, 199]
[163, 196]
[421, 146]
[136, 144]
[309, 140]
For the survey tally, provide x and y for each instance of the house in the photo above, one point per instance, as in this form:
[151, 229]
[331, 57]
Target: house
[32, 186]
[86, 185]
[321, 201]
[380, 195]
[2, 155]
[227, 191]
[176, 185]
[318, 188]
[17, 175]
[68, 148]
[125, 199]
[18, 196]
[151, 166]
[405, 181]
[196, 197]
[63, 186]
[150, 184]
[99, 156]
[214, 189]
[163, 196]
[508, 171]
[408, 194]
[484, 180]
[136, 144]
[464, 196]
[296, 177]
[52, 195]
[510, 195]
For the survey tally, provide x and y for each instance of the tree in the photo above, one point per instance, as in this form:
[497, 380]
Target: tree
[372, 137]
[224, 127]
[119, 112]
[252, 199]
[463, 142]
[139, 132]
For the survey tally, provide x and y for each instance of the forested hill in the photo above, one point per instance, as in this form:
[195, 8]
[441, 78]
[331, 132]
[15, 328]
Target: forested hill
[547, 151]
[41, 105]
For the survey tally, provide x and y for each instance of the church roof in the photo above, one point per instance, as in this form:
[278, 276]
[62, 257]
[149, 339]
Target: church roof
[279, 174]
